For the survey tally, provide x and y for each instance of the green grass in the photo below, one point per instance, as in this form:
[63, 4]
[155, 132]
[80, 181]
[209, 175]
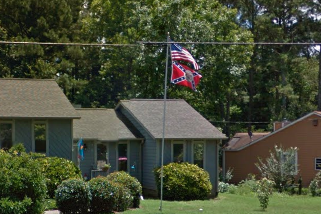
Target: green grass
[236, 204]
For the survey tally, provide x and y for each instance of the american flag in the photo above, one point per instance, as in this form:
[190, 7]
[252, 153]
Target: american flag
[180, 53]
[183, 75]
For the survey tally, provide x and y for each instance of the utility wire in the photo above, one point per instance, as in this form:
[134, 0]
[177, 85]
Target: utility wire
[138, 43]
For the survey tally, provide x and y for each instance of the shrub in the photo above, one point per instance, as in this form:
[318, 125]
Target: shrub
[123, 198]
[73, 196]
[129, 182]
[247, 186]
[280, 167]
[265, 188]
[314, 186]
[57, 170]
[21, 181]
[103, 194]
[183, 181]
[232, 189]
[223, 187]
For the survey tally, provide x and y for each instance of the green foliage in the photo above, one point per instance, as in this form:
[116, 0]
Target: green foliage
[124, 199]
[103, 193]
[247, 186]
[73, 196]
[57, 170]
[129, 182]
[315, 185]
[183, 181]
[8, 206]
[22, 185]
[265, 189]
[223, 187]
[280, 167]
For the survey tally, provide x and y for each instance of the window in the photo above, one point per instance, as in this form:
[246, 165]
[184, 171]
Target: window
[198, 154]
[122, 157]
[102, 155]
[5, 135]
[317, 163]
[40, 137]
[293, 159]
[178, 152]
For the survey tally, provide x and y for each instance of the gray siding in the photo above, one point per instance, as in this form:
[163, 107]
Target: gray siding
[60, 138]
[211, 163]
[148, 156]
[112, 153]
[23, 133]
[87, 164]
[134, 158]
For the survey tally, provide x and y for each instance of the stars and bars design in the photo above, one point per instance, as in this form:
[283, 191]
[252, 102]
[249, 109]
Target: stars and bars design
[185, 76]
[180, 53]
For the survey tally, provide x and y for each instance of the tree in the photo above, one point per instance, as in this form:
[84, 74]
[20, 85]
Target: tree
[280, 167]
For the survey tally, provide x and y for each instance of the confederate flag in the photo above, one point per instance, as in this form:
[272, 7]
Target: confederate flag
[185, 76]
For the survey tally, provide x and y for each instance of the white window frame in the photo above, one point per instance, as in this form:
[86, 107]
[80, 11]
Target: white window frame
[47, 135]
[13, 129]
[172, 149]
[315, 163]
[128, 155]
[204, 151]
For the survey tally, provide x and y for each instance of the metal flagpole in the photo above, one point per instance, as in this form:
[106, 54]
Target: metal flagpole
[164, 114]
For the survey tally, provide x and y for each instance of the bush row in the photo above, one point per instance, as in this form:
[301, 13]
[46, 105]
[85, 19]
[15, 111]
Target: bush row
[26, 179]
[116, 192]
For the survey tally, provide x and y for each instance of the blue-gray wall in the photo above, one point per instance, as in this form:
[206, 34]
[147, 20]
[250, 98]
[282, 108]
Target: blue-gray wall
[59, 136]
[149, 157]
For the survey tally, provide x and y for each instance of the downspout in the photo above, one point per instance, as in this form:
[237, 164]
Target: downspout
[141, 161]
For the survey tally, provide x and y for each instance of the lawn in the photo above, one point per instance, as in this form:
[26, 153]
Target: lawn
[230, 203]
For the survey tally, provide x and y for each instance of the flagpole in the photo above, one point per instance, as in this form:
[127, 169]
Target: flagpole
[164, 115]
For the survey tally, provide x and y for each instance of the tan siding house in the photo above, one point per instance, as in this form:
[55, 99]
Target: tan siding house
[304, 133]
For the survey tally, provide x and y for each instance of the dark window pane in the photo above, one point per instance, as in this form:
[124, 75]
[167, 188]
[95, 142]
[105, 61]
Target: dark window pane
[5, 135]
[101, 152]
[40, 138]
[178, 153]
[122, 157]
[199, 154]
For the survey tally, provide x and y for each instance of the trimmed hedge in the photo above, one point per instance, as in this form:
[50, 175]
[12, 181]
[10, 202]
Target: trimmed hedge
[129, 182]
[183, 182]
[73, 196]
[22, 185]
[57, 170]
[103, 195]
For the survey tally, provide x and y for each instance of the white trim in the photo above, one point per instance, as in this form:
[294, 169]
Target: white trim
[47, 134]
[128, 155]
[204, 151]
[172, 149]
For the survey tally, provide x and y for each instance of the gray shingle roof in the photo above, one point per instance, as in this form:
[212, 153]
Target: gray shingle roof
[33, 98]
[182, 121]
[101, 124]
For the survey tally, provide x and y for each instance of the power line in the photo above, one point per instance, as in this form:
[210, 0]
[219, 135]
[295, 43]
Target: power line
[154, 43]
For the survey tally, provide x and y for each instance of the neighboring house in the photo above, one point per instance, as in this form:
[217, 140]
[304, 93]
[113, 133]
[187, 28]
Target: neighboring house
[189, 137]
[107, 139]
[37, 114]
[305, 133]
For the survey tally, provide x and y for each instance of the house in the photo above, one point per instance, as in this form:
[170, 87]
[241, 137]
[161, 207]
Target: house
[242, 153]
[188, 137]
[37, 114]
[107, 138]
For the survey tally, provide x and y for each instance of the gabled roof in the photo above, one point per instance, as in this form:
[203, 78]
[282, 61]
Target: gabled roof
[316, 113]
[33, 98]
[242, 139]
[102, 124]
[182, 121]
